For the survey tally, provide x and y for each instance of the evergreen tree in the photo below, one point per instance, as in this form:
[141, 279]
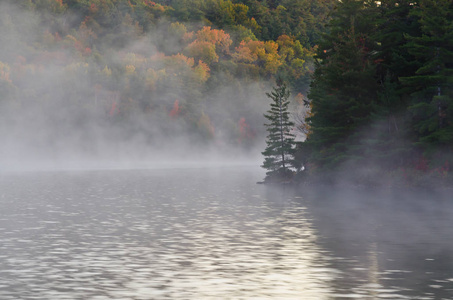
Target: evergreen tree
[344, 86]
[431, 84]
[387, 142]
[279, 153]
[395, 23]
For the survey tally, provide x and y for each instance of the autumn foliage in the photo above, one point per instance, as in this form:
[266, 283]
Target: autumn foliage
[124, 60]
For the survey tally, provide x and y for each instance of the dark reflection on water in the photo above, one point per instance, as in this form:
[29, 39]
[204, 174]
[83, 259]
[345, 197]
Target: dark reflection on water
[215, 234]
[401, 241]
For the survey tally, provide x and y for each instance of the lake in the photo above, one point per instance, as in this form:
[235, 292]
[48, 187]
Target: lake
[213, 233]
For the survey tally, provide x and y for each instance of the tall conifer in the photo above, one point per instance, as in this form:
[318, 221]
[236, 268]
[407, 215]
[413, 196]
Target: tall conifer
[279, 153]
[344, 86]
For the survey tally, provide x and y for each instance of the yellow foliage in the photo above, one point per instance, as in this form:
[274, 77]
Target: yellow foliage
[202, 50]
[202, 71]
[205, 125]
[74, 67]
[71, 38]
[261, 53]
[133, 59]
[5, 72]
[271, 47]
[106, 71]
[130, 69]
[178, 29]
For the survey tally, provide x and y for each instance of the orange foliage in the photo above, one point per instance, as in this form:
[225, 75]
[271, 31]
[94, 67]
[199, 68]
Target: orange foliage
[188, 36]
[254, 46]
[285, 40]
[219, 38]
[175, 111]
[244, 54]
[261, 53]
[179, 59]
[155, 7]
[149, 3]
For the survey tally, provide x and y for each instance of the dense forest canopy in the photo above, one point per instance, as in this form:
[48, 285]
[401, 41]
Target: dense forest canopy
[104, 77]
[382, 91]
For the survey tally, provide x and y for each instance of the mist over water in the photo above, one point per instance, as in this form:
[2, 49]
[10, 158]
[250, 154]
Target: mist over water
[61, 108]
[206, 233]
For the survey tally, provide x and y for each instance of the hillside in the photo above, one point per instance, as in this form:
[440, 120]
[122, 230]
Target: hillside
[108, 77]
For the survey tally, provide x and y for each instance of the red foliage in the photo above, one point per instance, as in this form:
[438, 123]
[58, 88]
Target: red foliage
[245, 132]
[113, 109]
[87, 51]
[443, 171]
[149, 3]
[93, 8]
[422, 164]
[175, 111]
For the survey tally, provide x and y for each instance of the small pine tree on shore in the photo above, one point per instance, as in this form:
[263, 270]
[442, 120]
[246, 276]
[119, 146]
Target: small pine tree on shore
[279, 152]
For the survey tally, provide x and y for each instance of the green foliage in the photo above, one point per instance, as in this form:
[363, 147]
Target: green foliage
[343, 90]
[381, 93]
[431, 85]
[279, 152]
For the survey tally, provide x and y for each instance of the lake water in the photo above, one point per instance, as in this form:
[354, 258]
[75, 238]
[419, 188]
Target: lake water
[213, 233]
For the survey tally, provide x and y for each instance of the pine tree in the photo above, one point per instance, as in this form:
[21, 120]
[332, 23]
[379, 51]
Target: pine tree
[431, 85]
[279, 153]
[387, 142]
[344, 87]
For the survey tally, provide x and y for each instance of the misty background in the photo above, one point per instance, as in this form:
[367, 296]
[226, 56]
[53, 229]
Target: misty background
[73, 89]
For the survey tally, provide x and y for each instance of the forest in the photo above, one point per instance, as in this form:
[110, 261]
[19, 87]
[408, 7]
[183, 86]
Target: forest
[125, 77]
[381, 93]
[370, 81]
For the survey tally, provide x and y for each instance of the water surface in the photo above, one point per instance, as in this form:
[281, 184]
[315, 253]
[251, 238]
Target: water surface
[214, 233]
